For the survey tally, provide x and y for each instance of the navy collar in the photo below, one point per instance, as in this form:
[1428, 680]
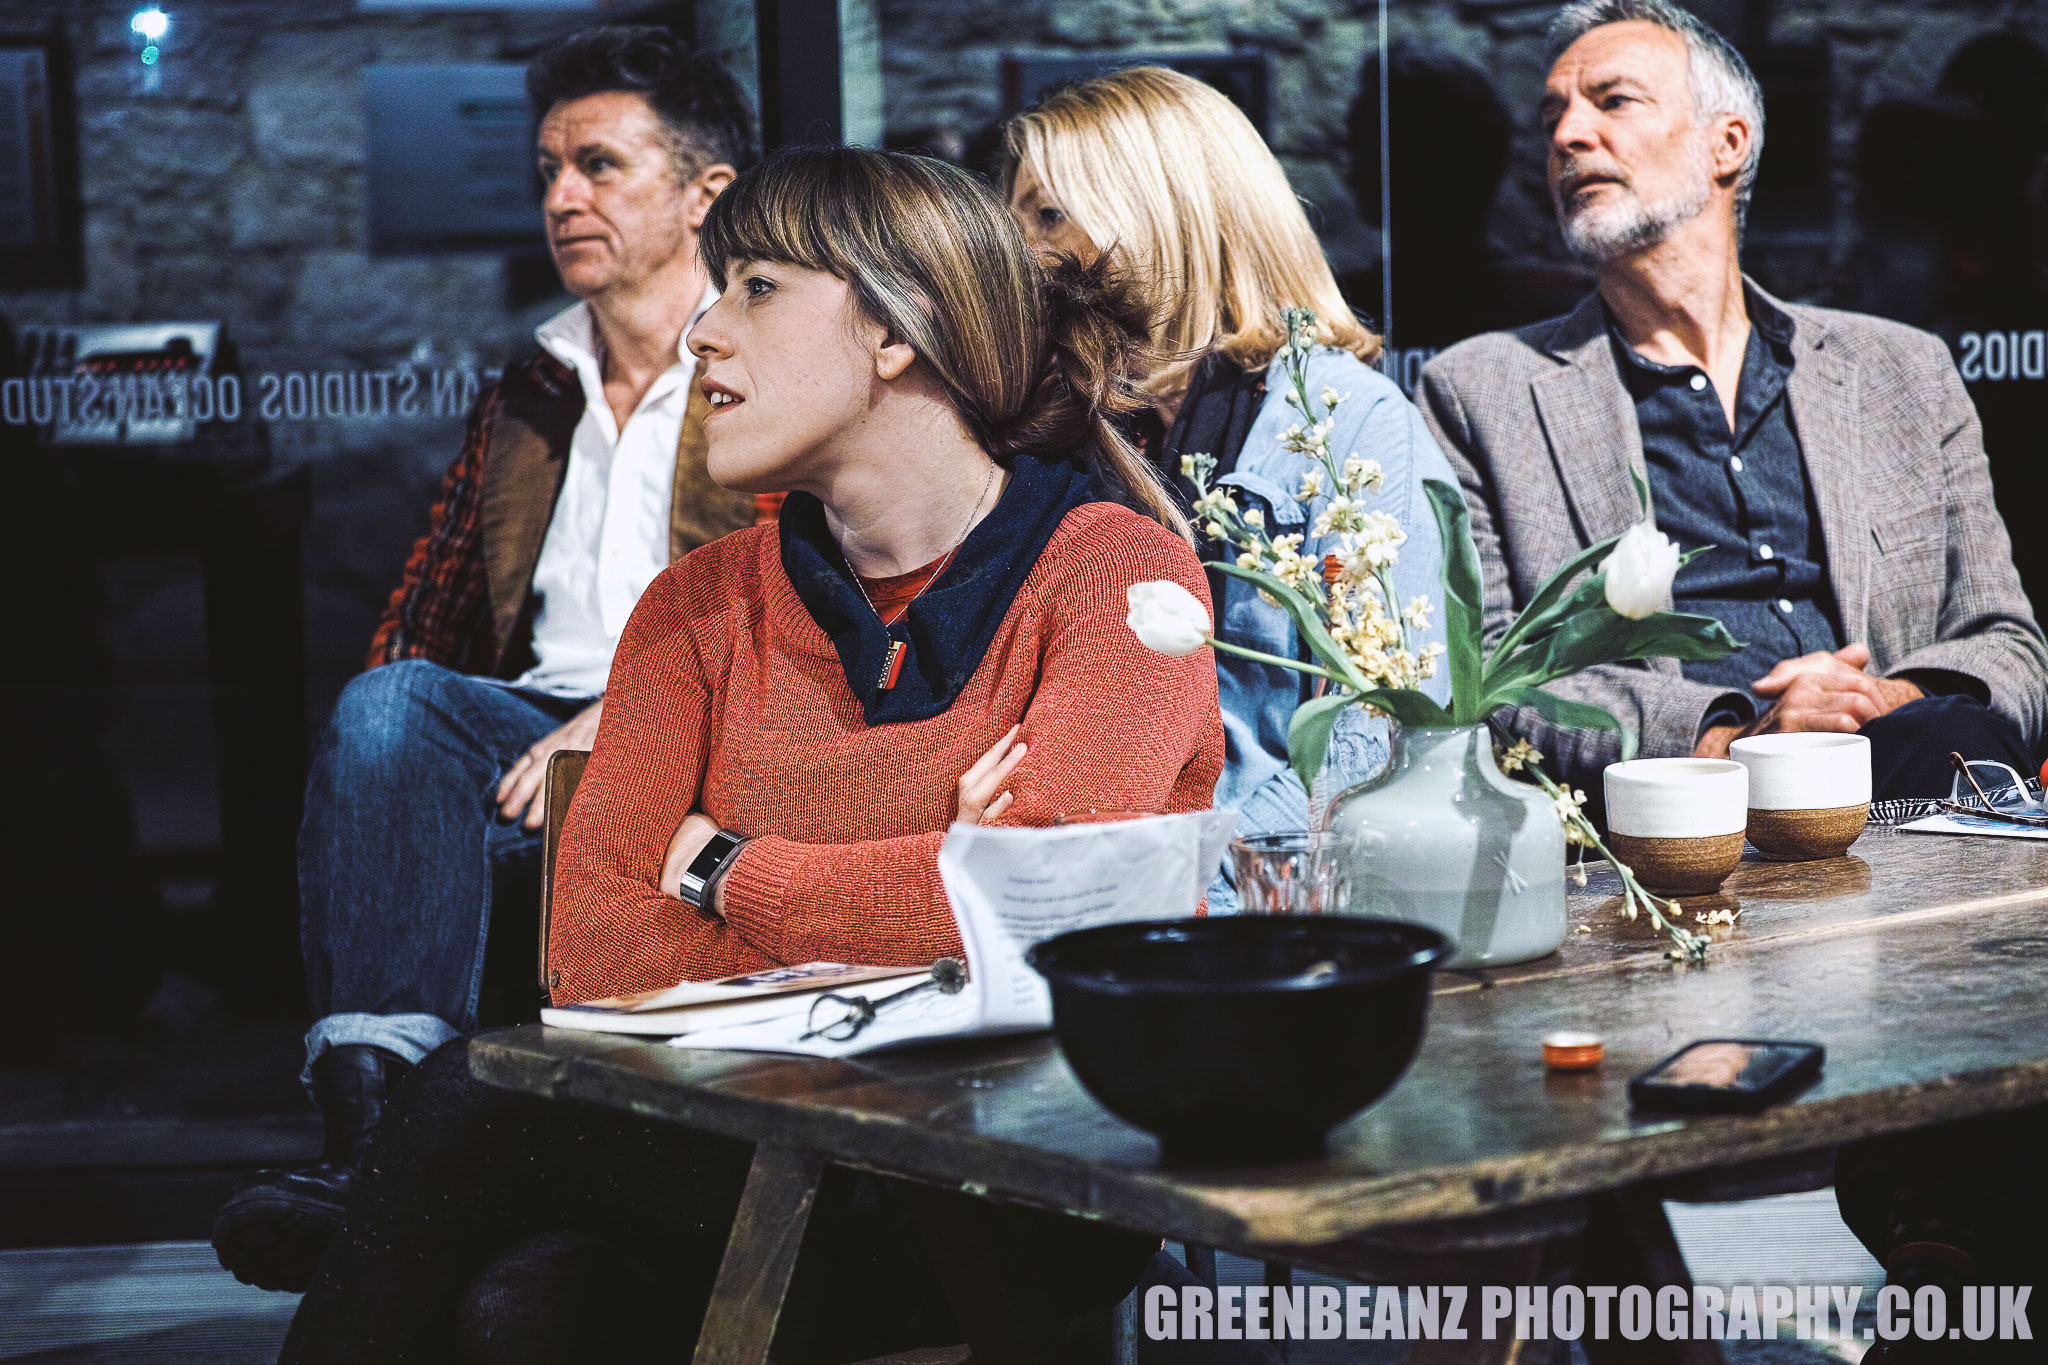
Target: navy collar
[947, 630]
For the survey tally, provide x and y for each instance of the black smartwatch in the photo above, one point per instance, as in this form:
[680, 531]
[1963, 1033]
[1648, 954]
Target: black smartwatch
[693, 888]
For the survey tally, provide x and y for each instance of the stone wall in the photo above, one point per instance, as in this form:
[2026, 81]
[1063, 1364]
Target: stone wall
[943, 62]
[236, 191]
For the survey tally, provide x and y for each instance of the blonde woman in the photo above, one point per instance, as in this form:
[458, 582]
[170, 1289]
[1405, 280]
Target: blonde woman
[1164, 174]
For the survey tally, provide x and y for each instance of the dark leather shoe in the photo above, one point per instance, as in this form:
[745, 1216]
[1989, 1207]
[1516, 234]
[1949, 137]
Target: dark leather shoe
[275, 1225]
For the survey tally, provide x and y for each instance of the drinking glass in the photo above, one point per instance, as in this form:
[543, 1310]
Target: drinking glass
[1300, 872]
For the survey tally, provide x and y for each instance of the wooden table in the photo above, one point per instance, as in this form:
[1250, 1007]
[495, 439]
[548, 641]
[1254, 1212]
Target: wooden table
[1917, 960]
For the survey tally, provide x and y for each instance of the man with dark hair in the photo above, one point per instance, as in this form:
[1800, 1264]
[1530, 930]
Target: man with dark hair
[581, 477]
[701, 111]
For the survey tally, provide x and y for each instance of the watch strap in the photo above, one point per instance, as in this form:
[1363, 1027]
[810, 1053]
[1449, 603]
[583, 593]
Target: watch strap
[709, 909]
[693, 888]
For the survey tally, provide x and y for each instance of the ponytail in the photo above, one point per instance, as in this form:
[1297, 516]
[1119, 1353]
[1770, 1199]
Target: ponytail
[1098, 350]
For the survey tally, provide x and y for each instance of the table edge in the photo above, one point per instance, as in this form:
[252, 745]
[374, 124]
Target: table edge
[1216, 1212]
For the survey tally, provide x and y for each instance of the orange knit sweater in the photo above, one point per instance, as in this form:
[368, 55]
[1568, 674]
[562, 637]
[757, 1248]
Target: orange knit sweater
[726, 697]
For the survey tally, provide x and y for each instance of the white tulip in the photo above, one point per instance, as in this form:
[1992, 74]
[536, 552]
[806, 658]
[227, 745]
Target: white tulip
[1168, 618]
[1640, 570]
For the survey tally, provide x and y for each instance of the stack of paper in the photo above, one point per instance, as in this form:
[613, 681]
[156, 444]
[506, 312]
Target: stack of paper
[1011, 889]
[780, 992]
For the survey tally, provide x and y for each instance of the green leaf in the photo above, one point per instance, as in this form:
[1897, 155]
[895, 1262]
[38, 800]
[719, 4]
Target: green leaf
[1308, 619]
[1546, 609]
[1660, 635]
[1308, 734]
[1410, 707]
[1635, 476]
[1602, 636]
[1464, 599]
[1575, 715]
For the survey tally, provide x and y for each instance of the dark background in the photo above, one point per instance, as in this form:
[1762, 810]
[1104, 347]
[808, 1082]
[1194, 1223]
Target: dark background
[187, 614]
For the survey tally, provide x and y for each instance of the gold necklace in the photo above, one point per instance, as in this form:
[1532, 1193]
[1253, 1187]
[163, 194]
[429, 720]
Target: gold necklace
[892, 666]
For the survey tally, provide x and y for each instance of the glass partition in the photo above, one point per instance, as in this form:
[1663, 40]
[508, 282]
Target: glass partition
[258, 261]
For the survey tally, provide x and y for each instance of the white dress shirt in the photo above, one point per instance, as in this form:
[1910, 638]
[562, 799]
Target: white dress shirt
[609, 535]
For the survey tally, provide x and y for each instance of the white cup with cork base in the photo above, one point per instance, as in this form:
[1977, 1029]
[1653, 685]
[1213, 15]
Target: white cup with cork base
[1677, 822]
[1809, 793]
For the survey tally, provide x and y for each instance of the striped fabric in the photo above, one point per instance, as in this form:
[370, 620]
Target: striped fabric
[441, 609]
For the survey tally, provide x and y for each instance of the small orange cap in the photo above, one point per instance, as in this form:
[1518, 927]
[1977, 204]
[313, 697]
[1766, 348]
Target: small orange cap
[1573, 1051]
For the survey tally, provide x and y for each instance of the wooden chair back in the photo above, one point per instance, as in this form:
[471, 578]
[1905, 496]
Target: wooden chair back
[558, 788]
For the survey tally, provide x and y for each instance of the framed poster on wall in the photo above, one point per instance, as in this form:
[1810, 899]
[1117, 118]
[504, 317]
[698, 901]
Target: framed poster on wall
[39, 210]
[451, 162]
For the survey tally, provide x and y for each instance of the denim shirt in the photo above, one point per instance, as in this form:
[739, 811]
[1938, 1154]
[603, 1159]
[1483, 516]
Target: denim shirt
[1376, 422]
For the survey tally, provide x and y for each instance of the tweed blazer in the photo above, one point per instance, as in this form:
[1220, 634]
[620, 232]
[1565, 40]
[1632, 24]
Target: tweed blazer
[466, 597]
[1542, 431]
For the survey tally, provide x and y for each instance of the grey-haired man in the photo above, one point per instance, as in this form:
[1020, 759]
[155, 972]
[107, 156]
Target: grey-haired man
[1832, 461]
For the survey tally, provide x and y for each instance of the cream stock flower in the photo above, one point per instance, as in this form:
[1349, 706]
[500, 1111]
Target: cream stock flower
[1518, 754]
[1380, 538]
[1363, 476]
[1293, 570]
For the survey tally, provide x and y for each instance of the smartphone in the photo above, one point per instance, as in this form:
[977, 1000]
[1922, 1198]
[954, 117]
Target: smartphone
[1728, 1075]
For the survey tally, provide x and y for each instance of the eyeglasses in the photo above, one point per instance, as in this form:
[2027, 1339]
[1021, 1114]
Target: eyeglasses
[837, 1018]
[1999, 792]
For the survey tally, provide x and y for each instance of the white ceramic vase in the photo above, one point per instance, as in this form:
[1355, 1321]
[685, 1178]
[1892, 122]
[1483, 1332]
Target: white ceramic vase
[1442, 837]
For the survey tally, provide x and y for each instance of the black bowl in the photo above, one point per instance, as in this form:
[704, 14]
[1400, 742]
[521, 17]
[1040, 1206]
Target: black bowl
[1240, 1039]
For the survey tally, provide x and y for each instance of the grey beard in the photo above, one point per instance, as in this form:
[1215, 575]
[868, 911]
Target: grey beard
[1598, 236]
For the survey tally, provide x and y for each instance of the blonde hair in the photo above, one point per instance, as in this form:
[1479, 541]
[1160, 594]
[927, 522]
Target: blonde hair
[1167, 174]
[1038, 359]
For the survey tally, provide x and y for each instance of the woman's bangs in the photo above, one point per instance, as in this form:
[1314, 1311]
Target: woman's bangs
[774, 213]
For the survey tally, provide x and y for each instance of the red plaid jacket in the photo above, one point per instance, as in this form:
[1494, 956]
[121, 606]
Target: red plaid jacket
[465, 598]
[441, 609]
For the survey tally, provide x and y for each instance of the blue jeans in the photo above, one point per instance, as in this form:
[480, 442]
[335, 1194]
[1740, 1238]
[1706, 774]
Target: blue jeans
[402, 848]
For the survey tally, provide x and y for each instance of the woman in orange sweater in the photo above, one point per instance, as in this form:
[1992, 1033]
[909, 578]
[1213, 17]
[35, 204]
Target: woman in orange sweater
[933, 631]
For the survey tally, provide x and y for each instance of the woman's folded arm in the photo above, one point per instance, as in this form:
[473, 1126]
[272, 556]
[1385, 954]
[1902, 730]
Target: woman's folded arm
[1111, 726]
[611, 928]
